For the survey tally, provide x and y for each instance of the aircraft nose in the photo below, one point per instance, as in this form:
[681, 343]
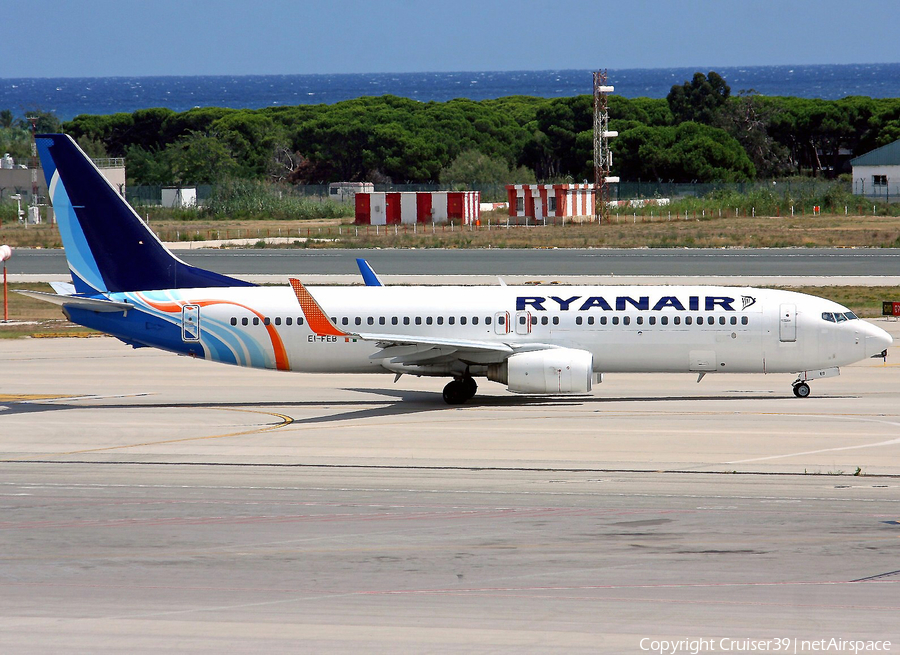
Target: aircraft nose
[877, 340]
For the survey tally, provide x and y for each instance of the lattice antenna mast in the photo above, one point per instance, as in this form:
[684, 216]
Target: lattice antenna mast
[602, 153]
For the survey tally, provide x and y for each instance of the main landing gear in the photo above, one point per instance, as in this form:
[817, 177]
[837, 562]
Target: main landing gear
[459, 390]
[801, 389]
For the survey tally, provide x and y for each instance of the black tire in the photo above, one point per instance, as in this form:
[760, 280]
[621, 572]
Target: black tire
[470, 387]
[455, 393]
[801, 390]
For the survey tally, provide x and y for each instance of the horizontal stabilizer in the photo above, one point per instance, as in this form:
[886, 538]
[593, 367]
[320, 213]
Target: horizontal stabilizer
[92, 304]
[64, 288]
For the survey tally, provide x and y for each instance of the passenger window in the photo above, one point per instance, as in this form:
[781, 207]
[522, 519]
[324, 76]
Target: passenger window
[664, 320]
[299, 320]
[534, 320]
[556, 320]
[591, 320]
[277, 320]
[688, 320]
[462, 320]
[521, 320]
[744, 320]
[676, 320]
[710, 320]
[440, 320]
[256, 320]
[267, 320]
[734, 320]
[381, 320]
[652, 320]
[233, 320]
[371, 320]
[615, 320]
[721, 320]
[640, 320]
[577, 320]
[487, 320]
[544, 320]
[418, 320]
[244, 321]
[428, 320]
[406, 320]
[474, 320]
[358, 320]
[451, 320]
[344, 321]
[289, 320]
[602, 320]
[626, 320]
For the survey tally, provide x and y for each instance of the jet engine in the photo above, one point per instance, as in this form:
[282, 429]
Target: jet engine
[550, 371]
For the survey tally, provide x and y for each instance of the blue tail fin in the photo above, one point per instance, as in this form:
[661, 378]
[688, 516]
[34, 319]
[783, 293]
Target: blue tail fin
[108, 247]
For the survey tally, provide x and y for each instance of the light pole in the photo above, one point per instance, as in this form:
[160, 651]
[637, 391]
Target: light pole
[5, 253]
[18, 198]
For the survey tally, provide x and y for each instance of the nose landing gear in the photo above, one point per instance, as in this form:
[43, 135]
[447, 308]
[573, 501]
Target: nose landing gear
[459, 390]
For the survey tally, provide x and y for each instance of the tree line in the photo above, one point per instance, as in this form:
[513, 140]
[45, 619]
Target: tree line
[700, 132]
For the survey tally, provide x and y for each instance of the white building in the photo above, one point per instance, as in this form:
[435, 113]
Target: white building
[346, 191]
[876, 174]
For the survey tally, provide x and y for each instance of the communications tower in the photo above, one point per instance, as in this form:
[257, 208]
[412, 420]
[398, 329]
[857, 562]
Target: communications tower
[602, 153]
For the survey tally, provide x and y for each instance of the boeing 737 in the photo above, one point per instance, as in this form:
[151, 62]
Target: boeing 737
[548, 341]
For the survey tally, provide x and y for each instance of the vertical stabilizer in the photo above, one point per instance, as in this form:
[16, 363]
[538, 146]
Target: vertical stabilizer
[108, 247]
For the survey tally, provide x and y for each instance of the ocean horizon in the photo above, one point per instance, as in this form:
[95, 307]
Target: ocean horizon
[69, 96]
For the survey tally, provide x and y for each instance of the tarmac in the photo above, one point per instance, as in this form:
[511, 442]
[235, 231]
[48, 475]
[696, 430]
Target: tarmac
[153, 502]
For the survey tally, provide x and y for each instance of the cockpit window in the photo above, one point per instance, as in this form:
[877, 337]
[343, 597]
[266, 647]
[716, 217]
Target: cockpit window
[828, 316]
[850, 316]
[840, 318]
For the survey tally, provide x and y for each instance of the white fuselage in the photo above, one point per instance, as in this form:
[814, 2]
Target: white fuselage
[627, 329]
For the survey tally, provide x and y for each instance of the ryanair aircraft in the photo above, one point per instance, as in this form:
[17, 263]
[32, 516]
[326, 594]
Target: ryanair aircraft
[533, 340]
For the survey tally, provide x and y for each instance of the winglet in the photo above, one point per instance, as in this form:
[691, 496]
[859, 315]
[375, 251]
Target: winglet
[318, 321]
[370, 277]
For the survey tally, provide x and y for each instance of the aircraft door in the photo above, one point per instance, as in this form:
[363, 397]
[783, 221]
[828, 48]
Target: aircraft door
[190, 323]
[523, 322]
[501, 322]
[787, 322]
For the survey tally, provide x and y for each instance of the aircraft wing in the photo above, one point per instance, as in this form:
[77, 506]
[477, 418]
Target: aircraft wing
[407, 349]
[370, 277]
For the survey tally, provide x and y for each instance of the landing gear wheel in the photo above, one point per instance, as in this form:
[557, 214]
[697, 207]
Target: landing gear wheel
[801, 390]
[469, 387]
[455, 393]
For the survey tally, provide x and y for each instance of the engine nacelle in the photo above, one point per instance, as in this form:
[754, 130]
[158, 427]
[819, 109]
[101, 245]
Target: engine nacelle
[550, 371]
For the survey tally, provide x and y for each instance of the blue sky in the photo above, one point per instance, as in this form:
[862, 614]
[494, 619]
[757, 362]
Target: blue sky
[66, 38]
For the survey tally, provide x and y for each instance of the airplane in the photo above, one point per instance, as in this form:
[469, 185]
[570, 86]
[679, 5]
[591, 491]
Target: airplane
[554, 340]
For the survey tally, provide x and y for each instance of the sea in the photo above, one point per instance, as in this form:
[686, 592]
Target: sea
[70, 96]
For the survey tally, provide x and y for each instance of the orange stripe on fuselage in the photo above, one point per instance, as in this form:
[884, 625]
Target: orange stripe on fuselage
[280, 352]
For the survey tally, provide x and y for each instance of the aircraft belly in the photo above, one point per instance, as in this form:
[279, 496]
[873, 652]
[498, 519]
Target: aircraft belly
[338, 356]
[676, 351]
